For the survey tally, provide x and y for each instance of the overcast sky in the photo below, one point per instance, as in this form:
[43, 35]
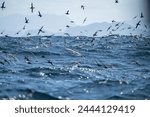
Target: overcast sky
[95, 10]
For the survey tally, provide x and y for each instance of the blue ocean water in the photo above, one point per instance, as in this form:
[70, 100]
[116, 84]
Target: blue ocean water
[58, 67]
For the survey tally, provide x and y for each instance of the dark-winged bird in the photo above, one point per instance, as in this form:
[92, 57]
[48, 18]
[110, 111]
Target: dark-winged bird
[32, 7]
[82, 7]
[67, 13]
[26, 20]
[3, 5]
[84, 20]
[138, 24]
[142, 16]
[116, 1]
[24, 28]
[67, 26]
[40, 30]
[40, 15]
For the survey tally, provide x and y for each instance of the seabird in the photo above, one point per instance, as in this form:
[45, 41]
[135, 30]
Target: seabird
[18, 32]
[67, 13]
[50, 62]
[67, 34]
[40, 15]
[3, 5]
[82, 7]
[142, 16]
[84, 20]
[95, 34]
[113, 21]
[116, 1]
[26, 20]
[28, 34]
[2, 63]
[138, 24]
[145, 26]
[72, 21]
[134, 17]
[67, 26]
[2, 32]
[27, 60]
[24, 28]
[40, 30]
[108, 28]
[32, 7]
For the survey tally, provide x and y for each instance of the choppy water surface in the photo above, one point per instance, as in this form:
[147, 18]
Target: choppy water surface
[112, 67]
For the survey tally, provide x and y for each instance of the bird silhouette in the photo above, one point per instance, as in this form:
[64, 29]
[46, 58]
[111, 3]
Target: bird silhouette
[26, 20]
[40, 30]
[84, 20]
[24, 28]
[2, 32]
[142, 16]
[72, 21]
[3, 5]
[82, 7]
[32, 7]
[116, 1]
[40, 15]
[109, 28]
[67, 13]
[67, 26]
[28, 34]
[18, 32]
[138, 24]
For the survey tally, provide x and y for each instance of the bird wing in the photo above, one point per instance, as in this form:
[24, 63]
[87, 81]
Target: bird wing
[3, 4]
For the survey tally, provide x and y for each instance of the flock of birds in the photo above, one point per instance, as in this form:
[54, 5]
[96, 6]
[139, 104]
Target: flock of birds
[110, 28]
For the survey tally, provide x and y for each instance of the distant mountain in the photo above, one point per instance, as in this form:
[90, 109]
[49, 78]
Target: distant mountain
[55, 24]
[51, 23]
[115, 28]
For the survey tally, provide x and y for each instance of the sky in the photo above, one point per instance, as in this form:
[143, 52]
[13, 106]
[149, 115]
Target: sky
[95, 10]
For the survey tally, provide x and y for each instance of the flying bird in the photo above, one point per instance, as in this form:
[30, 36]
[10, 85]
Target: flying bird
[18, 32]
[67, 13]
[95, 34]
[109, 28]
[40, 30]
[135, 17]
[40, 15]
[72, 21]
[28, 34]
[32, 7]
[2, 32]
[3, 5]
[138, 24]
[84, 20]
[82, 7]
[24, 28]
[67, 26]
[142, 16]
[67, 34]
[145, 26]
[26, 20]
[116, 1]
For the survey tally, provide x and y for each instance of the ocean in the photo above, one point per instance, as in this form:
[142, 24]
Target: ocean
[111, 67]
